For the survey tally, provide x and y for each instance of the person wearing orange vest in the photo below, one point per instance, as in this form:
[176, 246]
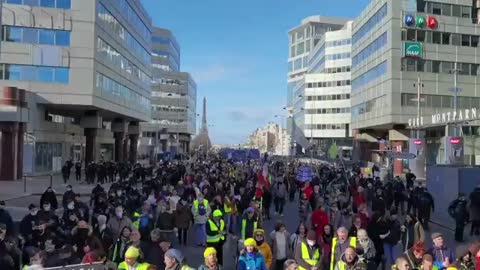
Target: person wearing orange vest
[201, 211]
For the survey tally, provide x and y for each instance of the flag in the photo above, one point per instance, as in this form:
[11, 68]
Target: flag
[262, 179]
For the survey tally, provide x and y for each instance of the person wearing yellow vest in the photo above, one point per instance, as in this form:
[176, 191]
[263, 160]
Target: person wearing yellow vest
[200, 211]
[211, 261]
[216, 234]
[308, 253]
[340, 244]
[249, 223]
[350, 261]
[131, 260]
[228, 210]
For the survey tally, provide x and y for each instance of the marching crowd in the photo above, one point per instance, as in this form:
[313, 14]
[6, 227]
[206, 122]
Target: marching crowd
[347, 221]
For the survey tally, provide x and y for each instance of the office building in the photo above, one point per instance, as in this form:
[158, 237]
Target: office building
[327, 91]
[76, 80]
[402, 50]
[302, 40]
[174, 96]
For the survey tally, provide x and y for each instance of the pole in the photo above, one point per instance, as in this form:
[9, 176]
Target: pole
[419, 89]
[51, 180]
[455, 98]
[24, 183]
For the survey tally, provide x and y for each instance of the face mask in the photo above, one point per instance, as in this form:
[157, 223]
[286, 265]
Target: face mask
[69, 189]
[311, 242]
[119, 193]
[119, 214]
[71, 206]
[46, 207]
[33, 212]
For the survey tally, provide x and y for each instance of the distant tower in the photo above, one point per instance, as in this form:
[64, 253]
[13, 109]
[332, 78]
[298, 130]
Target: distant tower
[202, 141]
[204, 128]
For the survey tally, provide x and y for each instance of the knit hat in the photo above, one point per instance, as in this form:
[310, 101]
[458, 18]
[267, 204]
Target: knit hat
[217, 213]
[132, 252]
[436, 235]
[259, 231]
[209, 251]
[312, 235]
[250, 242]
[175, 254]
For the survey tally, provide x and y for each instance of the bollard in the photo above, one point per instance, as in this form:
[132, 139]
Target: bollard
[24, 183]
[51, 180]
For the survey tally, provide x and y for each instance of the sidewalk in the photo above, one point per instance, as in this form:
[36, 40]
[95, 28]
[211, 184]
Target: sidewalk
[10, 190]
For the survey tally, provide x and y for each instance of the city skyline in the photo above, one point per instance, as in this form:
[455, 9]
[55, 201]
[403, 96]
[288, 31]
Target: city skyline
[245, 72]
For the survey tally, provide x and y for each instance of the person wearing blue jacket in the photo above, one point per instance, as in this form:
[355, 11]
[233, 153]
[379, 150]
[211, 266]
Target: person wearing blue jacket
[250, 258]
[443, 257]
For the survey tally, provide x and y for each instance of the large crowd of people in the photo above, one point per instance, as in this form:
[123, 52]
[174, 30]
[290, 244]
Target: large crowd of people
[140, 218]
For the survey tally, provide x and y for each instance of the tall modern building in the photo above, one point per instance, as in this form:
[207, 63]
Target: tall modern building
[76, 80]
[327, 91]
[174, 95]
[407, 57]
[302, 40]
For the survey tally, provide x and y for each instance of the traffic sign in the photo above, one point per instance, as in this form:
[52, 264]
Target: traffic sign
[401, 155]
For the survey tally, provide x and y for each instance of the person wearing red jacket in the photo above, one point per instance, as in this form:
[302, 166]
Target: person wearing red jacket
[359, 198]
[319, 220]
[307, 189]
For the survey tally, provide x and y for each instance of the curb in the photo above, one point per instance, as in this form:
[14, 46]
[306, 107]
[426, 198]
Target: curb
[19, 197]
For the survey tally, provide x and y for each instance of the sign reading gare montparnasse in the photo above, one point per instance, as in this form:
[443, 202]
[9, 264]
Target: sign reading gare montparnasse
[444, 118]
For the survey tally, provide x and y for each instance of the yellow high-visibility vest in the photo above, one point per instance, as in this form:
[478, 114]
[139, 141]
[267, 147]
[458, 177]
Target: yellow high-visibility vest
[306, 256]
[195, 205]
[213, 227]
[244, 227]
[227, 209]
[140, 266]
[353, 243]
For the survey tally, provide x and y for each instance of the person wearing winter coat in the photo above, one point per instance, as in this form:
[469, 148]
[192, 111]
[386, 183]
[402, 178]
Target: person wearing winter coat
[367, 248]
[325, 242]
[391, 240]
[279, 193]
[442, 255]
[250, 258]
[211, 261]
[319, 219]
[182, 218]
[6, 218]
[50, 197]
[350, 261]
[280, 245]
[474, 208]
[458, 211]
[412, 232]
[263, 247]
[308, 252]
[465, 259]
[414, 255]
[118, 222]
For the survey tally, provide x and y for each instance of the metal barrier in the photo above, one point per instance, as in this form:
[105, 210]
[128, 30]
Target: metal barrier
[93, 266]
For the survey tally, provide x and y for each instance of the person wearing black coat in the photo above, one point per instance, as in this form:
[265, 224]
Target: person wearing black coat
[378, 203]
[29, 224]
[9, 253]
[425, 207]
[49, 196]
[399, 195]
[6, 218]
[458, 211]
[65, 172]
[78, 171]
[474, 208]
[69, 195]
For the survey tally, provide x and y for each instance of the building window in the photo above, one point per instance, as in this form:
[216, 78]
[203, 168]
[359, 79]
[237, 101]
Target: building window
[63, 4]
[445, 38]
[437, 8]
[36, 36]
[436, 37]
[35, 73]
[465, 40]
